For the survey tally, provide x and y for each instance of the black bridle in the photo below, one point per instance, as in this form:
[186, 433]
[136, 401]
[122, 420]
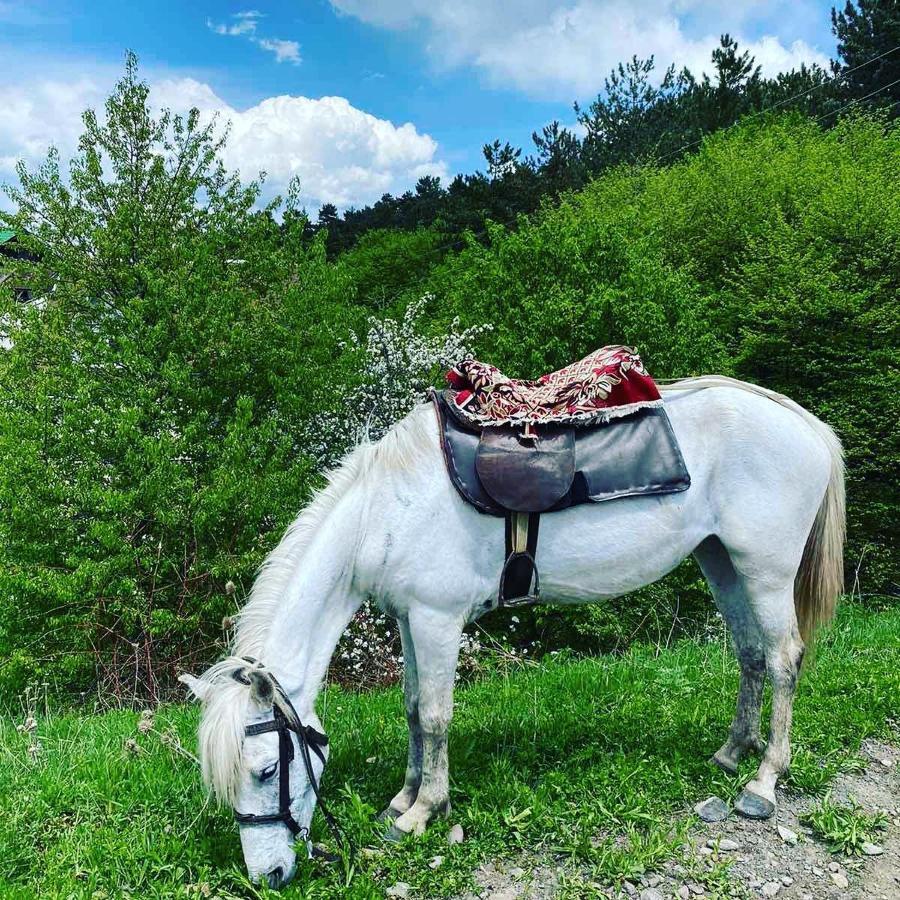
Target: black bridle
[310, 741]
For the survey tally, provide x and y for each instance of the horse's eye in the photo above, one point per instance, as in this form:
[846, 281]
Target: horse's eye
[267, 773]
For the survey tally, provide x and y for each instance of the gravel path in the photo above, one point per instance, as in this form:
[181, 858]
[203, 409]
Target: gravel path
[779, 858]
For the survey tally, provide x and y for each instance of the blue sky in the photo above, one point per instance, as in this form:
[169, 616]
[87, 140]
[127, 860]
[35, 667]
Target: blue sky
[418, 87]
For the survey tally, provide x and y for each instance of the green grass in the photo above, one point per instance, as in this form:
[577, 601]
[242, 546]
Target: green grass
[845, 828]
[592, 760]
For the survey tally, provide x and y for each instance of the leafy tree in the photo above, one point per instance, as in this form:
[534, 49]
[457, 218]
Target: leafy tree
[165, 394]
[772, 254]
[170, 354]
[386, 263]
[635, 119]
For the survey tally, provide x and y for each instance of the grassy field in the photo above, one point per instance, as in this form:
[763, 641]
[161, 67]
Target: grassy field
[592, 760]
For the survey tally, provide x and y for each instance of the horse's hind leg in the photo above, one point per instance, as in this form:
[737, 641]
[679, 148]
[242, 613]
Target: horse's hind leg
[407, 794]
[777, 620]
[733, 603]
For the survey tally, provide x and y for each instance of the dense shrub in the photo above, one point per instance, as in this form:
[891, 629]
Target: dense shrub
[152, 401]
[772, 255]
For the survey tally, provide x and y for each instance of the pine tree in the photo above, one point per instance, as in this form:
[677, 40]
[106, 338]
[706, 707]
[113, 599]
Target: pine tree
[864, 31]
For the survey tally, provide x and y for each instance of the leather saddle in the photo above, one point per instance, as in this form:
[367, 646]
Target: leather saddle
[525, 471]
[521, 471]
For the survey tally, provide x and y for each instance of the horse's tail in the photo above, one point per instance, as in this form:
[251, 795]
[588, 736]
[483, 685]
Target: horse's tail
[820, 578]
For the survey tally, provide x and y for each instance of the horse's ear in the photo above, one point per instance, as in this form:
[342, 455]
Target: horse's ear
[196, 686]
[262, 691]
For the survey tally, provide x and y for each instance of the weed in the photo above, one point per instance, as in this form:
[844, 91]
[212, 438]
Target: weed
[845, 828]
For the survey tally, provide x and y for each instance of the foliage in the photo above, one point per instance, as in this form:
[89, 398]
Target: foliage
[772, 255]
[639, 116]
[868, 30]
[591, 760]
[188, 363]
[164, 367]
[845, 827]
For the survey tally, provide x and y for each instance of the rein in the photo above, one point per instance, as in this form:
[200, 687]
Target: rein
[308, 740]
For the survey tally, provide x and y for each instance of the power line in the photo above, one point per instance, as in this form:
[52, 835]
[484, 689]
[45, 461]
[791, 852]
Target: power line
[860, 100]
[787, 100]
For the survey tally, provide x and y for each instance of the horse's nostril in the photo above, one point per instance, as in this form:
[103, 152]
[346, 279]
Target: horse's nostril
[274, 877]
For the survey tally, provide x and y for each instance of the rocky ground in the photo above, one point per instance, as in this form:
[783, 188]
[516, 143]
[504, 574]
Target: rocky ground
[779, 858]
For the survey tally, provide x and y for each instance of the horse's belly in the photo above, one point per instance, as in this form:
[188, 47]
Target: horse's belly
[604, 550]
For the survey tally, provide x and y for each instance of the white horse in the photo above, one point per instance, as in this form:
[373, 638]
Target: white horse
[764, 517]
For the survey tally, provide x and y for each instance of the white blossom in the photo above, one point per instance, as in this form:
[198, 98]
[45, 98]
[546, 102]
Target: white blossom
[399, 364]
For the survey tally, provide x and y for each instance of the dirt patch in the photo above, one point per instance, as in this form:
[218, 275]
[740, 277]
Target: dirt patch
[780, 858]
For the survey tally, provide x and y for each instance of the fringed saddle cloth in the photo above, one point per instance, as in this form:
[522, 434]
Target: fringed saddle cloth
[595, 430]
[609, 383]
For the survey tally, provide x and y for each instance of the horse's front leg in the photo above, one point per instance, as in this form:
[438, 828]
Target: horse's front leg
[405, 798]
[435, 637]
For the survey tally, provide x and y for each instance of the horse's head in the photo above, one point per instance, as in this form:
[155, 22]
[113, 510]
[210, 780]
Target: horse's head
[259, 758]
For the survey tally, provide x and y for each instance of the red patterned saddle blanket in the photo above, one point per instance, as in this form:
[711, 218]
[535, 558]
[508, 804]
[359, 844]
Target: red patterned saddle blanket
[610, 382]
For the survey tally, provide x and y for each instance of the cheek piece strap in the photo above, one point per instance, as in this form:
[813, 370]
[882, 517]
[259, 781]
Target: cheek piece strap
[310, 741]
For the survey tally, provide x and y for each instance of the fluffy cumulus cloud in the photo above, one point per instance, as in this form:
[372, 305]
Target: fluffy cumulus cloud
[341, 154]
[564, 50]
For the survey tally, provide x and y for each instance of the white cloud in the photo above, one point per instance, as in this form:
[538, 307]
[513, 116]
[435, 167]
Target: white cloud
[41, 112]
[244, 25]
[285, 51]
[564, 50]
[774, 57]
[341, 154]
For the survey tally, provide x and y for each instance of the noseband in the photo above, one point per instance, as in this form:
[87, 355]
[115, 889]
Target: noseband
[308, 740]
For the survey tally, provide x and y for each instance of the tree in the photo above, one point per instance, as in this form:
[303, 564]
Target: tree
[868, 34]
[634, 119]
[558, 158]
[736, 77]
[152, 396]
[501, 160]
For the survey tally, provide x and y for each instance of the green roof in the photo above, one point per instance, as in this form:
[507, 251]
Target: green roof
[6, 236]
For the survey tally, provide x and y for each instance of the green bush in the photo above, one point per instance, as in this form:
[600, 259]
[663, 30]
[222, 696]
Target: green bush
[152, 395]
[772, 255]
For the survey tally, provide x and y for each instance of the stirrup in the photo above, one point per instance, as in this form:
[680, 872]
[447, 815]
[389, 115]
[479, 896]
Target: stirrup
[533, 596]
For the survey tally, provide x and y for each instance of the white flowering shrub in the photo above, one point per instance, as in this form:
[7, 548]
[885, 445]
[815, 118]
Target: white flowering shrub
[369, 653]
[399, 362]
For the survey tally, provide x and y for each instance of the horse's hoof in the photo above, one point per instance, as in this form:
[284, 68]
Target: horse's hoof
[389, 814]
[725, 763]
[394, 835]
[752, 806]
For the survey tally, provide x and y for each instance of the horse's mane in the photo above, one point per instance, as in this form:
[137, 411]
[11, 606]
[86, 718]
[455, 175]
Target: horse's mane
[221, 732]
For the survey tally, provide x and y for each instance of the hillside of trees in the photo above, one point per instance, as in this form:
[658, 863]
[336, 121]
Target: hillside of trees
[643, 115]
[179, 377]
